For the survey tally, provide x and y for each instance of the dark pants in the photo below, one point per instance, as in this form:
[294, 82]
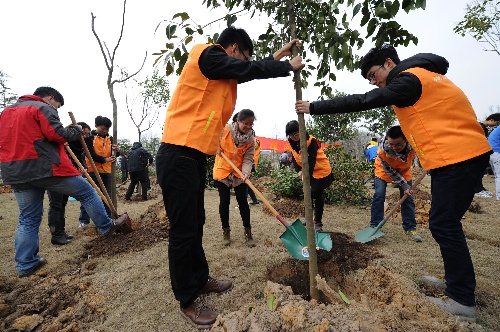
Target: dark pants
[181, 173]
[452, 189]
[252, 195]
[124, 175]
[225, 199]
[106, 179]
[143, 178]
[57, 210]
[318, 201]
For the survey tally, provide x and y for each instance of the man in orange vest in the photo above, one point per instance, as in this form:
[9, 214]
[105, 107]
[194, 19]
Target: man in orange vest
[393, 163]
[440, 124]
[201, 105]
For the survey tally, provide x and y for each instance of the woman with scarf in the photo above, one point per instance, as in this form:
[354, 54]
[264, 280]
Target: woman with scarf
[237, 143]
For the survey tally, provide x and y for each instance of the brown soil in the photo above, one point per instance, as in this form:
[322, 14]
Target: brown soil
[122, 283]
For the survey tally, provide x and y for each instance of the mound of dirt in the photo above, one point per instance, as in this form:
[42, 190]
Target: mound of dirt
[379, 301]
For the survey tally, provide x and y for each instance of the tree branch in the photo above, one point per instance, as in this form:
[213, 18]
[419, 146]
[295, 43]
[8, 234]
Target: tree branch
[121, 31]
[137, 72]
[99, 41]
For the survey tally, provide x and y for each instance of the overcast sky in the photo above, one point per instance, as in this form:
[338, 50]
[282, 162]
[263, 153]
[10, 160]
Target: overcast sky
[51, 43]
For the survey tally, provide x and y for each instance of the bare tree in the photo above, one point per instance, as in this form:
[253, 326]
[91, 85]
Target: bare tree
[154, 95]
[109, 59]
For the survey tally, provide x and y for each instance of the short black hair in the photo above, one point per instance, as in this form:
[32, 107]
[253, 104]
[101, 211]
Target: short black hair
[45, 91]
[377, 57]
[103, 121]
[494, 117]
[395, 132]
[292, 127]
[233, 35]
[83, 125]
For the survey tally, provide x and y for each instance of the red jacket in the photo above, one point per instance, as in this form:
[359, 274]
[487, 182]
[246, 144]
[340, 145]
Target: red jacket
[31, 142]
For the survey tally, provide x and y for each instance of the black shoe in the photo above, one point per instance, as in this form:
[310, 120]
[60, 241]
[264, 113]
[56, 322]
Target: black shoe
[128, 199]
[60, 240]
[69, 236]
[117, 224]
[31, 271]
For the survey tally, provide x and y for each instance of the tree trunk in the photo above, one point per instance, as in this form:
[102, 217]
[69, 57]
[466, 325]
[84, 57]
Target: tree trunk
[115, 137]
[306, 181]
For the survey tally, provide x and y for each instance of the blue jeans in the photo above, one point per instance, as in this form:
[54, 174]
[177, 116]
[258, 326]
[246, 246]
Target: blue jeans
[407, 208]
[106, 180]
[29, 198]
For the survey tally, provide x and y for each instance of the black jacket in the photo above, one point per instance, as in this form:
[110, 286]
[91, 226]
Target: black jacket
[401, 90]
[215, 64]
[138, 158]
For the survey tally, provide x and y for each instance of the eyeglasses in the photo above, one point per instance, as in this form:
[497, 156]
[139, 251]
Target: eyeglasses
[398, 145]
[247, 57]
[371, 76]
[294, 135]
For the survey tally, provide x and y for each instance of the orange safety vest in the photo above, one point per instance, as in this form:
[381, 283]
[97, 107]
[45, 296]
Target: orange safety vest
[222, 169]
[256, 153]
[199, 107]
[322, 167]
[402, 167]
[102, 147]
[441, 126]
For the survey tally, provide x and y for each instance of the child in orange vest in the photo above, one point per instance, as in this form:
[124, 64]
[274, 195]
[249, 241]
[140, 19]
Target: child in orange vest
[319, 168]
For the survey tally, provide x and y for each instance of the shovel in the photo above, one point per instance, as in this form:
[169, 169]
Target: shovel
[371, 233]
[295, 236]
[127, 227]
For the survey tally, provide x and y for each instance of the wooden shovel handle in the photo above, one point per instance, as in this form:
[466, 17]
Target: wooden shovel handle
[84, 171]
[405, 196]
[258, 193]
[96, 172]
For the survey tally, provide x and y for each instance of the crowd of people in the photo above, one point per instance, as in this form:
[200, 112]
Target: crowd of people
[422, 97]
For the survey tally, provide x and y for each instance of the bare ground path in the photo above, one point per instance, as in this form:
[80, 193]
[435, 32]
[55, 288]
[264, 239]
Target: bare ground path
[122, 284]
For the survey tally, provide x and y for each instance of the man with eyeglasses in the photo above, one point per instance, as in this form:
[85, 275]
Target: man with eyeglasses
[393, 163]
[201, 105]
[440, 124]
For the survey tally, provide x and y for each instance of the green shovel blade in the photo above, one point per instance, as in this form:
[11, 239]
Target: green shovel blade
[295, 240]
[368, 234]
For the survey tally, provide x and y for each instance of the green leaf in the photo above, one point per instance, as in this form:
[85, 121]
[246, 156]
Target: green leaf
[169, 70]
[270, 302]
[171, 30]
[346, 300]
[177, 54]
[356, 9]
[188, 40]
[184, 16]
[381, 11]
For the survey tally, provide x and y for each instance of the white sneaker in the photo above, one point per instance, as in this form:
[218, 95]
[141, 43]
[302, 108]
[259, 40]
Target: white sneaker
[484, 194]
[434, 283]
[453, 307]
